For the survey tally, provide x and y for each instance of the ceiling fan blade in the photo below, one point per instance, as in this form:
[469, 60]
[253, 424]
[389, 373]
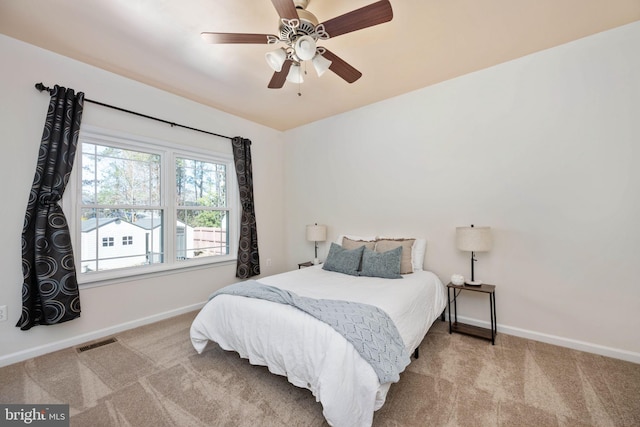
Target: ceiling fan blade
[368, 16]
[235, 38]
[279, 77]
[341, 68]
[285, 8]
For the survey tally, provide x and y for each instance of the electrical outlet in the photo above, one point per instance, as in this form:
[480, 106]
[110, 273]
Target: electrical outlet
[3, 313]
[268, 262]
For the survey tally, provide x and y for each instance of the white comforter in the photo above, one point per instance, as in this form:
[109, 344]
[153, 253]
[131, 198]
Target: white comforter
[309, 352]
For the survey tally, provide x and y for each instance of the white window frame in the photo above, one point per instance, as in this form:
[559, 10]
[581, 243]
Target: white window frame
[168, 151]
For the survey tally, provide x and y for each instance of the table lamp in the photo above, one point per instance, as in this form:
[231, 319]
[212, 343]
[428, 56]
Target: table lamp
[473, 239]
[316, 233]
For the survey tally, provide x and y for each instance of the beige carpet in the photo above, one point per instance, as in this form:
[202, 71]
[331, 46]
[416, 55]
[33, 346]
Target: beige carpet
[151, 376]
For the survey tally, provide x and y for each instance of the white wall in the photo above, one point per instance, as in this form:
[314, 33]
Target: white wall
[543, 149]
[107, 309]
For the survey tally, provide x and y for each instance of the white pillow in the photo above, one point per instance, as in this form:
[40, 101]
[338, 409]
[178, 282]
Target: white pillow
[418, 250]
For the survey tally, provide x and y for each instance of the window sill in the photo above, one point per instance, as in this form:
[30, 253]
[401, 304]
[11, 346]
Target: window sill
[88, 281]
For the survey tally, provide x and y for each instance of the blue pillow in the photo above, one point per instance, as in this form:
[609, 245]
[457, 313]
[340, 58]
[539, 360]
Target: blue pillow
[382, 264]
[343, 260]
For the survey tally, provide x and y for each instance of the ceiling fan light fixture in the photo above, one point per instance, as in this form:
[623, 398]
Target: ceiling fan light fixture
[295, 74]
[321, 64]
[305, 48]
[276, 59]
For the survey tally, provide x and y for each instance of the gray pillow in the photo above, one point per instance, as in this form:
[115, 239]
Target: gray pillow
[348, 243]
[343, 260]
[382, 264]
[406, 265]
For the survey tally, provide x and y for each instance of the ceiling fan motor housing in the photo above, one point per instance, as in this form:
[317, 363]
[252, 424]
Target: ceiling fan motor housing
[301, 4]
[307, 27]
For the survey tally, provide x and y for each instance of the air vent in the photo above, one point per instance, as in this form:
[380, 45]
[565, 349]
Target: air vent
[95, 345]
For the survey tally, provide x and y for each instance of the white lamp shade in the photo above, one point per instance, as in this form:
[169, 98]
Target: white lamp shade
[295, 75]
[473, 239]
[276, 59]
[321, 64]
[305, 48]
[316, 233]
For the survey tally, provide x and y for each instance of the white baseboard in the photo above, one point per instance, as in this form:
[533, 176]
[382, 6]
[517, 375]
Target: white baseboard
[20, 356]
[629, 356]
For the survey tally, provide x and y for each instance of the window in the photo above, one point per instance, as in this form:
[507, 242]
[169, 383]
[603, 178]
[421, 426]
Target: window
[203, 215]
[170, 206]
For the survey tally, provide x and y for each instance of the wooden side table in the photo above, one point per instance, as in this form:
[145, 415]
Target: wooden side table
[305, 264]
[463, 328]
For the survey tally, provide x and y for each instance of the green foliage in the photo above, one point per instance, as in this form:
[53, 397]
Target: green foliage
[209, 219]
[203, 218]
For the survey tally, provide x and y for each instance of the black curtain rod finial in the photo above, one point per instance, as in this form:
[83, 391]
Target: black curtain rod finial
[41, 87]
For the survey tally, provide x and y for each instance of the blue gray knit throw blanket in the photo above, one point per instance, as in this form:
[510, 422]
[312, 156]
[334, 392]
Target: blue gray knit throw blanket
[368, 328]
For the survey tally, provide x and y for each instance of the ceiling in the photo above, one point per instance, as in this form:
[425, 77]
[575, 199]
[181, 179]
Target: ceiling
[157, 42]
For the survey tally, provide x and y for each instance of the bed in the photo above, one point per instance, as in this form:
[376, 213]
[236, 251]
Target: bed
[309, 352]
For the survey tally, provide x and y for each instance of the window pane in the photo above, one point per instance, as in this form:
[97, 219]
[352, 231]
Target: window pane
[200, 183]
[118, 238]
[88, 174]
[112, 176]
[201, 233]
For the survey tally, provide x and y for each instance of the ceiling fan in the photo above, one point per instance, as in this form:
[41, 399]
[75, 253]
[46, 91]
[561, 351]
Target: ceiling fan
[300, 31]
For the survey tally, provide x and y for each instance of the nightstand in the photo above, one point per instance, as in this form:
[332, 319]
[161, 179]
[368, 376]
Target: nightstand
[476, 331]
[305, 264]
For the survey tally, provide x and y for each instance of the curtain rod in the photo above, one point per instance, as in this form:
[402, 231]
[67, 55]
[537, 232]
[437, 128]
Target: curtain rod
[41, 87]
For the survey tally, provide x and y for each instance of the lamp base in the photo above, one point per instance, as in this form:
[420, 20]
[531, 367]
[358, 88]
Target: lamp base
[473, 283]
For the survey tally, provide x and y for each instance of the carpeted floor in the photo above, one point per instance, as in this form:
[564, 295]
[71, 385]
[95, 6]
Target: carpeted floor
[152, 376]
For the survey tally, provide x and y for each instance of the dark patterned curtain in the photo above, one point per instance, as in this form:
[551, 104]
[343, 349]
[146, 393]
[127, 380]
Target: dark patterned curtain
[248, 258]
[50, 289]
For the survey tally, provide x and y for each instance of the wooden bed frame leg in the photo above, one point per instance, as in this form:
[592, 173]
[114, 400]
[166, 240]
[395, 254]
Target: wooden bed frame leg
[442, 315]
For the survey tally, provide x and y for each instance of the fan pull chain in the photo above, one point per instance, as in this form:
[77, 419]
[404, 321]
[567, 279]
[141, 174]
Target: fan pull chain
[305, 73]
